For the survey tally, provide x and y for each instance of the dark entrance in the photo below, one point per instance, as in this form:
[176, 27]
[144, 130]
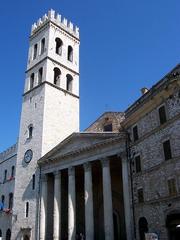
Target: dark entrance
[173, 225]
[143, 228]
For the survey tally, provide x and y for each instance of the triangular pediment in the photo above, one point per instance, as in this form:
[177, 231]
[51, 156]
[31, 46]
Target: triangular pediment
[77, 142]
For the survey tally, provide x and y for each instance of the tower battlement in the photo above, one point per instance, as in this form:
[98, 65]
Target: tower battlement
[8, 153]
[58, 20]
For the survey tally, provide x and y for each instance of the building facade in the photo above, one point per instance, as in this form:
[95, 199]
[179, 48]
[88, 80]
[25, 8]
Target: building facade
[153, 123]
[118, 179]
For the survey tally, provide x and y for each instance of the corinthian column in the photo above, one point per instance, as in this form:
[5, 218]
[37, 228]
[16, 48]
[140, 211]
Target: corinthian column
[71, 204]
[57, 205]
[107, 197]
[89, 217]
[43, 207]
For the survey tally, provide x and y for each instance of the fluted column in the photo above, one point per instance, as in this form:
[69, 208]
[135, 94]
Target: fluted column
[71, 204]
[89, 216]
[126, 196]
[107, 198]
[43, 207]
[57, 205]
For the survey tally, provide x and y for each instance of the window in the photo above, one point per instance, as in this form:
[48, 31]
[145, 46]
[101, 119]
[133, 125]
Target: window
[31, 81]
[59, 45]
[3, 199]
[8, 234]
[69, 82]
[0, 234]
[172, 187]
[138, 164]
[33, 181]
[40, 74]
[135, 133]
[10, 200]
[2, 203]
[70, 53]
[108, 128]
[140, 195]
[27, 210]
[5, 175]
[12, 171]
[30, 129]
[57, 76]
[167, 150]
[42, 45]
[35, 51]
[162, 115]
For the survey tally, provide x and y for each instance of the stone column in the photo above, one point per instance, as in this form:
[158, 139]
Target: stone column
[57, 205]
[89, 216]
[43, 207]
[126, 196]
[71, 204]
[107, 197]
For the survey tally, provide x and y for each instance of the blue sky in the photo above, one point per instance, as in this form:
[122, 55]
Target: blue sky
[125, 45]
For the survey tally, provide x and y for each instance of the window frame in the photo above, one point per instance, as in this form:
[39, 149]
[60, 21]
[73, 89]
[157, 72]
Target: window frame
[135, 139]
[172, 186]
[140, 191]
[161, 122]
[165, 154]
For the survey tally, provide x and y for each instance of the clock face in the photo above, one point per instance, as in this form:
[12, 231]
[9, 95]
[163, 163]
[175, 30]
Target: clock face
[28, 155]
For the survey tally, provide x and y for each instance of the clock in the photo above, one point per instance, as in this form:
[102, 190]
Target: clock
[28, 156]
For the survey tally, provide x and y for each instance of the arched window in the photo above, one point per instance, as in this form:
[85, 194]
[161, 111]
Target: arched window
[31, 81]
[30, 131]
[35, 51]
[59, 45]
[10, 200]
[33, 181]
[27, 210]
[70, 53]
[42, 45]
[0, 234]
[143, 228]
[2, 199]
[5, 175]
[69, 79]
[57, 76]
[12, 171]
[26, 237]
[8, 234]
[40, 75]
[2, 203]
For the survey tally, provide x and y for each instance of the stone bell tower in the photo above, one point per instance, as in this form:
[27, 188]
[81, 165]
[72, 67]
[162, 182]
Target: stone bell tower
[50, 111]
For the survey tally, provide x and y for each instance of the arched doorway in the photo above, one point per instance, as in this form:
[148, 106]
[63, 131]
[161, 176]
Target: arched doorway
[8, 234]
[173, 225]
[0, 234]
[143, 228]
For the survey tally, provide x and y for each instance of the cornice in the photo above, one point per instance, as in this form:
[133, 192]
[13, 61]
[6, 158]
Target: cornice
[51, 59]
[79, 151]
[52, 85]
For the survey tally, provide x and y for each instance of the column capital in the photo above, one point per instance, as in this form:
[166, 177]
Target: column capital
[87, 166]
[57, 174]
[123, 156]
[71, 171]
[105, 162]
[44, 177]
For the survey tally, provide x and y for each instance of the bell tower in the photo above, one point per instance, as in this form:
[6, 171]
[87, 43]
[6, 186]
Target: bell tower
[50, 110]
